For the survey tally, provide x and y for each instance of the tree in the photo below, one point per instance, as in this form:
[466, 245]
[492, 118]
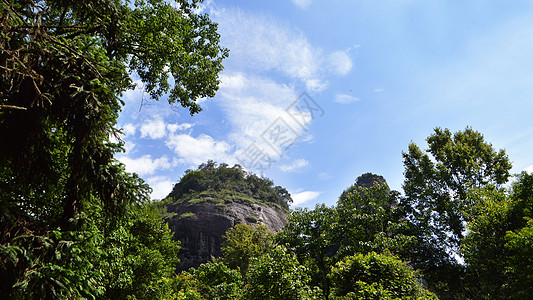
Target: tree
[372, 219]
[376, 276]
[65, 202]
[278, 275]
[366, 180]
[365, 219]
[436, 187]
[64, 65]
[216, 281]
[242, 243]
[498, 246]
[308, 234]
[229, 183]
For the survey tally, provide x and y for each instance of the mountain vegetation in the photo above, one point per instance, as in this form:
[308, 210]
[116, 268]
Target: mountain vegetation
[221, 183]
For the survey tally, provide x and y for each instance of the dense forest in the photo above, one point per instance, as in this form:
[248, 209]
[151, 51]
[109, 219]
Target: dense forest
[75, 225]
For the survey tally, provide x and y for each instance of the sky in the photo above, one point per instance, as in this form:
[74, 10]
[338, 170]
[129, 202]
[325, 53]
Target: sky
[316, 93]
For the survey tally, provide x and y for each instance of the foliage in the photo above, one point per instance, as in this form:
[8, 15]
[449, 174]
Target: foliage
[227, 184]
[243, 242]
[187, 215]
[278, 275]
[498, 247]
[436, 187]
[308, 234]
[376, 276]
[372, 219]
[73, 223]
[215, 281]
[133, 259]
[364, 220]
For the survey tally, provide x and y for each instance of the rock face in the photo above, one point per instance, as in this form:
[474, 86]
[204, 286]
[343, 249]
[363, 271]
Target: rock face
[200, 227]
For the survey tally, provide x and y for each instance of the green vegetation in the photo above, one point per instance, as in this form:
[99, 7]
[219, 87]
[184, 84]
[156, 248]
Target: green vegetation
[253, 219]
[73, 223]
[187, 215]
[243, 242]
[378, 244]
[224, 184]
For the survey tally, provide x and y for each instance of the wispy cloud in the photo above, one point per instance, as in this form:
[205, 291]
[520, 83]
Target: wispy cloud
[340, 63]
[295, 165]
[302, 3]
[252, 104]
[529, 169]
[157, 128]
[302, 197]
[136, 94]
[345, 99]
[129, 129]
[276, 46]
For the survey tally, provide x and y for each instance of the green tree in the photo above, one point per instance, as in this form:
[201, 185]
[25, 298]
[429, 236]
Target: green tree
[498, 246]
[242, 243]
[68, 209]
[436, 187]
[228, 182]
[216, 281]
[308, 234]
[278, 275]
[376, 276]
[366, 180]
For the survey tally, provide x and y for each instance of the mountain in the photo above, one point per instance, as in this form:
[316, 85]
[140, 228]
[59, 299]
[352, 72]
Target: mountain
[206, 202]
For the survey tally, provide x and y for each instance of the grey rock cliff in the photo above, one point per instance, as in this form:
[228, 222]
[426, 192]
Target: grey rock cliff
[200, 227]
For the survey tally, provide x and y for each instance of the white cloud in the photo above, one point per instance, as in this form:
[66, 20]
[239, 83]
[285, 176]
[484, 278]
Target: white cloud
[198, 150]
[302, 3]
[340, 63]
[157, 128]
[129, 129]
[253, 104]
[145, 165]
[128, 146]
[136, 94]
[302, 197]
[295, 165]
[154, 129]
[324, 175]
[276, 46]
[161, 186]
[529, 169]
[345, 99]
[172, 128]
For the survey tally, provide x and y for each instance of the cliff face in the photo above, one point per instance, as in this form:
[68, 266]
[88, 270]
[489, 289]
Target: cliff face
[200, 226]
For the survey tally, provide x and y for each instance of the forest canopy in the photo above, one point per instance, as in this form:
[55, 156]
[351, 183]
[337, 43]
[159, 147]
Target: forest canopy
[230, 183]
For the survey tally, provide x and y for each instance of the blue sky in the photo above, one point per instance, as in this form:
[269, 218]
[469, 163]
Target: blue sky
[316, 93]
